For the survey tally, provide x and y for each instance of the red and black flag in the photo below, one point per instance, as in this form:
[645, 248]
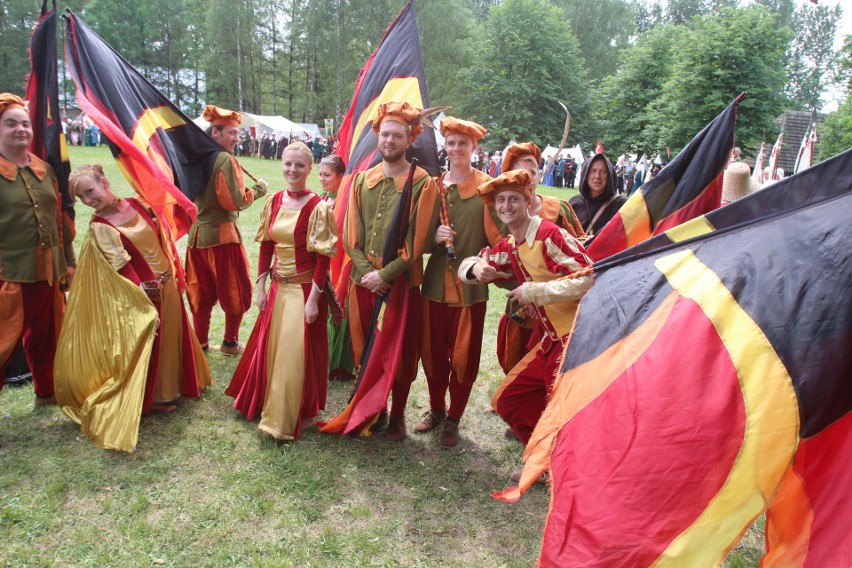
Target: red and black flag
[707, 381]
[43, 96]
[395, 72]
[690, 185]
[164, 155]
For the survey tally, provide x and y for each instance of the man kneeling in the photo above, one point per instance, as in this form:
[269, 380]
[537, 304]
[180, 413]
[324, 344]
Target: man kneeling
[543, 258]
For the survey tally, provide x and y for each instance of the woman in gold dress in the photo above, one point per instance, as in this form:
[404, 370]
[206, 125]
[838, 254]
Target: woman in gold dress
[126, 347]
[283, 374]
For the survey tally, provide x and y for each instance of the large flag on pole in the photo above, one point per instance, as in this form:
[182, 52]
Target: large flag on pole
[690, 185]
[162, 152]
[395, 72]
[709, 380]
[806, 150]
[43, 96]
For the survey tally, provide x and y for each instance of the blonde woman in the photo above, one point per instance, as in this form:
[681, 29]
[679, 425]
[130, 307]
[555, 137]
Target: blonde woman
[283, 374]
[126, 347]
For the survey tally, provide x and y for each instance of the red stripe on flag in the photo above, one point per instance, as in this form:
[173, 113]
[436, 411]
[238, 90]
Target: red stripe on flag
[629, 474]
[709, 199]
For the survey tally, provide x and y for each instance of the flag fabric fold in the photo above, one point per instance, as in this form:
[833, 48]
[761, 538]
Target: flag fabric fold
[43, 96]
[806, 151]
[707, 381]
[162, 152]
[395, 72]
[690, 185]
[775, 156]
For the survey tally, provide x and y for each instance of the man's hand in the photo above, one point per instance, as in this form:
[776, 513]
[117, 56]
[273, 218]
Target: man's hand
[70, 280]
[484, 272]
[444, 234]
[263, 187]
[517, 295]
[374, 283]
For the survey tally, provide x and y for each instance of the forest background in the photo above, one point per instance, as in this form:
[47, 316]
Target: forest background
[640, 75]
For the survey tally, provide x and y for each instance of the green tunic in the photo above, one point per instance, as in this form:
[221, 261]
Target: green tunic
[37, 245]
[477, 226]
[220, 203]
[372, 205]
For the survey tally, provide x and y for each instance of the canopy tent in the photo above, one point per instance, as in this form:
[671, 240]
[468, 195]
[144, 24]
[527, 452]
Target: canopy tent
[576, 152]
[312, 129]
[439, 138]
[263, 124]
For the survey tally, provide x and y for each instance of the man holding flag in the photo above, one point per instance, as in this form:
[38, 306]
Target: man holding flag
[217, 267]
[374, 198]
[36, 252]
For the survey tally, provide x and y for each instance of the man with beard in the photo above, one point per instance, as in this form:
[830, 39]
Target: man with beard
[454, 314]
[598, 201]
[373, 201]
[36, 250]
[216, 263]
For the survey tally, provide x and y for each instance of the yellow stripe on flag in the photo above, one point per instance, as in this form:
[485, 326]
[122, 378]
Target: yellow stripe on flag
[691, 229]
[771, 411]
[400, 89]
[636, 220]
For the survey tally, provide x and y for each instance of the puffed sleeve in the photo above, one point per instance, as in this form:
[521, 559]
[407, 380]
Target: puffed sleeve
[108, 240]
[267, 247]
[322, 231]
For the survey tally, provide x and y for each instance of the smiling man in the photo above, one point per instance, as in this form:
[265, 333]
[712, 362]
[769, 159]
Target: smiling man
[217, 267]
[454, 314]
[373, 201]
[36, 250]
[598, 201]
[539, 255]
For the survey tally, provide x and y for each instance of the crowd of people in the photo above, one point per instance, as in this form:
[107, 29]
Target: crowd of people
[480, 222]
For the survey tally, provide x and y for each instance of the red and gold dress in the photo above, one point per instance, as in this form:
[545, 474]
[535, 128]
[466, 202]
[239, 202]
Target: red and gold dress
[283, 374]
[121, 350]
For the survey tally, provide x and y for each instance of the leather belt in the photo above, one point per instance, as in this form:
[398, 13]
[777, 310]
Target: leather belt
[302, 278]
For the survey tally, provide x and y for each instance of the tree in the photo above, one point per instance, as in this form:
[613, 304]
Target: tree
[740, 50]
[17, 19]
[603, 28]
[627, 96]
[835, 136]
[447, 47]
[811, 58]
[527, 60]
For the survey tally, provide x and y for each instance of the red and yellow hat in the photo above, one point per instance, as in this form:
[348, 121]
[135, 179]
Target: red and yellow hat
[221, 117]
[515, 151]
[452, 125]
[513, 180]
[401, 112]
[8, 100]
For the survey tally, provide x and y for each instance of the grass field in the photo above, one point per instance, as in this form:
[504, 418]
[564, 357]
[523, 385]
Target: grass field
[204, 489]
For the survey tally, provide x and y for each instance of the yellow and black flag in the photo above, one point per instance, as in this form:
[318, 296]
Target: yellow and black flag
[687, 187]
[395, 72]
[43, 97]
[165, 156]
[709, 380]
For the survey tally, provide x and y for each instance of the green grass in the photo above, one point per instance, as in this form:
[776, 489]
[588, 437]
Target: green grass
[204, 489]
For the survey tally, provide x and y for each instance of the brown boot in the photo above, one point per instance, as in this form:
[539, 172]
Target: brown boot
[431, 420]
[381, 422]
[232, 350]
[45, 401]
[450, 435]
[396, 429]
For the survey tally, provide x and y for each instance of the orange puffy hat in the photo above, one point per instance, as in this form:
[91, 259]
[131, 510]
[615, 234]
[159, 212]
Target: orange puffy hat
[452, 125]
[8, 100]
[401, 112]
[221, 117]
[513, 180]
[515, 151]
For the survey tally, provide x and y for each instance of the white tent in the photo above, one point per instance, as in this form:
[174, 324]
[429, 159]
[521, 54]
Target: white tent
[275, 124]
[439, 138]
[575, 152]
[312, 129]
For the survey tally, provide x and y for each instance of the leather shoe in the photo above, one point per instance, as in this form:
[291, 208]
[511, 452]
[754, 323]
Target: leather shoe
[431, 420]
[450, 436]
[232, 350]
[396, 429]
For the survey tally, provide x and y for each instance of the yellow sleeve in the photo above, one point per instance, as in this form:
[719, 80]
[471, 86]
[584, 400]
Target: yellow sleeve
[108, 241]
[322, 231]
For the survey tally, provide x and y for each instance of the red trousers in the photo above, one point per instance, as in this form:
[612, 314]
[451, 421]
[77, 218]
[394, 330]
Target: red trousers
[450, 349]
[38, 309]
[360, 306]
[218, 274]
[522, 396]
